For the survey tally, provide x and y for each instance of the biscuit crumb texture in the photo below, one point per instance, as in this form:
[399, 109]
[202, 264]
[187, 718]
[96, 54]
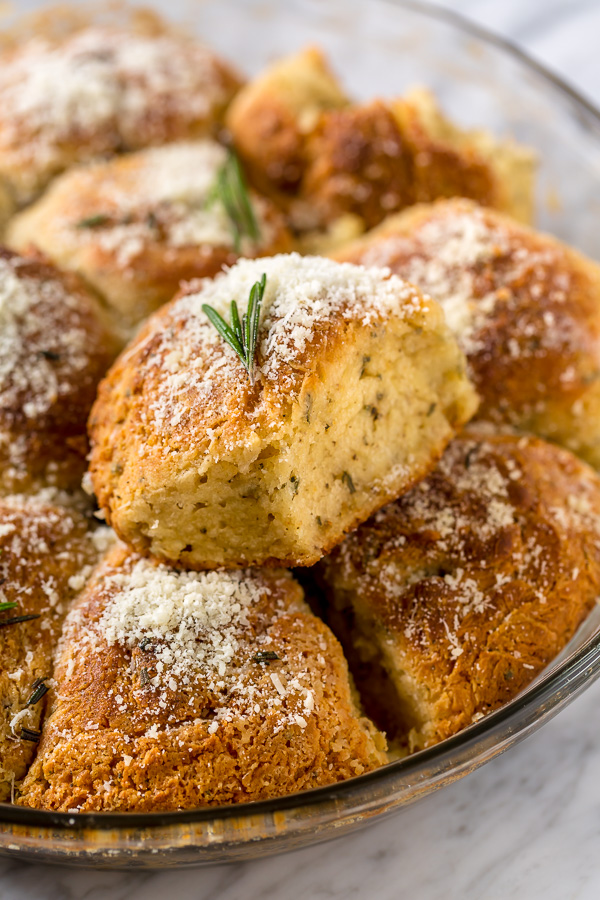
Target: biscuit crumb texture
[451, 600]
[358, 388]
[522, 305]
[178, 690]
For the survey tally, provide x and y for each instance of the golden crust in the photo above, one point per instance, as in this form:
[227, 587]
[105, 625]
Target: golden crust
[101, 90]
[272, 117]
[454, 598]
[45, 553]
[136, 226]
[126, 734]
[370, 161]
[55, 344]
[358, 389]
[524, 307]
[323, 159]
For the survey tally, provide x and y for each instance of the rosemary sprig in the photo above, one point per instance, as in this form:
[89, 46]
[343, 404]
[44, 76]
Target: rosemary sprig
[16, 619]
[241, 335]
[265, 656]
[93, 221]
[231, 189]
[8, 605]
[38, 689]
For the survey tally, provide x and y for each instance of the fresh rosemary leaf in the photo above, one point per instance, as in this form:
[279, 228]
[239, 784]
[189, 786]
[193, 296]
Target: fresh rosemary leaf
[14, 620]
[7, 605]
[250, 225]
[93, 221]
[241, 335]
[30, 734]
[225, 331]
[347, 480]
[38, 689]
[231, 189]
[265, 656]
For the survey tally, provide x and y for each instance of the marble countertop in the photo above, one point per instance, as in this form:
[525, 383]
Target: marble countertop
[527, 825]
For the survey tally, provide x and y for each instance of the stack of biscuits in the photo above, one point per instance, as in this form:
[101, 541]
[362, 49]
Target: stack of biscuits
[299, 424]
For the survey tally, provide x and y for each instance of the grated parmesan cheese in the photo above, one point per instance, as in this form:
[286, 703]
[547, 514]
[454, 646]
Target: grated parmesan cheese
[106, 88]
[303, 294]
[33, 340]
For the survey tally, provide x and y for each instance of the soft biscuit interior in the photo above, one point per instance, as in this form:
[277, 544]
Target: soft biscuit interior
[522, 305]
[358, 388]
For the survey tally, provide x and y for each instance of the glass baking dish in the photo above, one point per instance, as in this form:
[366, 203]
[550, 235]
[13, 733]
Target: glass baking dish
[379, 47]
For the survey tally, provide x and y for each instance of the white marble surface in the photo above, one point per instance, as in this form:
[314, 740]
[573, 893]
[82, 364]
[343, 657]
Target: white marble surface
[526, 826]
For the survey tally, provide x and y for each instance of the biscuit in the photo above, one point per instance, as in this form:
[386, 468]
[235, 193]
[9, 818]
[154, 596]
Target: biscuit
[46, 554]
[272, 117]
[136, 226]
[328, 161]
[450, 601]
[356, 390]
[55, 344]
[99, 91]
[524, 308]
[178, 690]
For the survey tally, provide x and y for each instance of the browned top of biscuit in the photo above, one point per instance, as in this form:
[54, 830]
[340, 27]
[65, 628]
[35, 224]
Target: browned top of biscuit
[477, 578]
[46, 553]
[363, 160]
[180, 689]
[103, 89]
[137, 225]
[523, 306]
[181, 383]
[55, 344]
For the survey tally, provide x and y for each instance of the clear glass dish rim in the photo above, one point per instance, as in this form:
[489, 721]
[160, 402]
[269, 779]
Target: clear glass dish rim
[576, 672]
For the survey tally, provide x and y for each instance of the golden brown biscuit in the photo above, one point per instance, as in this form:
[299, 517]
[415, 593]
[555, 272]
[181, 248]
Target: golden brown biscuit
[326, 161]
[55, 344]
[272, 116]
[452, 599]
[177, 690]
[46, 554]
[98, 91]
[358, 387]
[371, 160]
[136, 226]
[524, 307]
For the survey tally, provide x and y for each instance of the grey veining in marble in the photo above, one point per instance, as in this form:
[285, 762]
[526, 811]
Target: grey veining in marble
[526, 826]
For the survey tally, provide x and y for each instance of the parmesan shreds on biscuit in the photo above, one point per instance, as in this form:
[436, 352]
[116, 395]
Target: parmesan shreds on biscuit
[356, 387]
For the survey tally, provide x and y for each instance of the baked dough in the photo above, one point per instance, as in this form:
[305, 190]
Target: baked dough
[327, 161]
[524, 307]
[358, 388]
[136, 226]
[273, 116]
[178, 690]
[55, 344]
[452, 599]
[98, 91]
[46, 553]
